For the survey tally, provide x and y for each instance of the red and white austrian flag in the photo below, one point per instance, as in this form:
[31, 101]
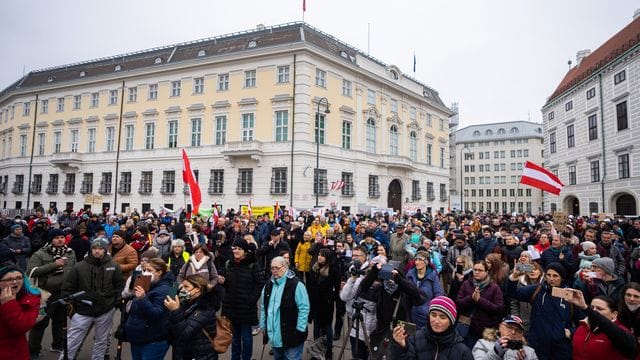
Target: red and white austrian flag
[541, 178]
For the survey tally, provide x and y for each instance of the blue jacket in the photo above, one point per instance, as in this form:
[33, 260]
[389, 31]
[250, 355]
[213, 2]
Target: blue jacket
[430, 286]
[148, 319]
[272, 328]
[484, 247]
[382, 237]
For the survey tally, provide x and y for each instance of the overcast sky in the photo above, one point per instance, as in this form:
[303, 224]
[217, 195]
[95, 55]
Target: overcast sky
[498, 59]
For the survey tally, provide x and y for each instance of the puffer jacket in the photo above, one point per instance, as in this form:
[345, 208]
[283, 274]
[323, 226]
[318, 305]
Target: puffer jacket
[23, 244]
[430, 287]
[126, 257]
[601, 338]
[148, 319]
[49, 275]
[488, 309]
[186, 324]
[102, 281]
[427, 345]
[302, 258]
[243, 283]
[17, 317]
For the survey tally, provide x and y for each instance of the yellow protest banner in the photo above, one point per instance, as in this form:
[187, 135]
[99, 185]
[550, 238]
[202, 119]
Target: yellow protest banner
[258, 210]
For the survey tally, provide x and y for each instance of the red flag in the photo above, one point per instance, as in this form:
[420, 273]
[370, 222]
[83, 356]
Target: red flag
[249, 210]
[189, 178]
[541, 178]
[304, 5]
[216, 216]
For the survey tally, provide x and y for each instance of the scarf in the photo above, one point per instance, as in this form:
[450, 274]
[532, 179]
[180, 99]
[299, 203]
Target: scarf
[482, 284]
[321, 270]
[58, 252]
[198, 264]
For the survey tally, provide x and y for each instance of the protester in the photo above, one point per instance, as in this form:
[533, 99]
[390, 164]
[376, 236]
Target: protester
[424, 276]
[162, 242]
[19, 245]
[123, 254]
[302, 256]
[522, 309]
[629, 315]
[506, 342]
[201, 262]
[178, 257]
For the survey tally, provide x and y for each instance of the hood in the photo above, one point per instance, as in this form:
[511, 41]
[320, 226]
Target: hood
[93, 261]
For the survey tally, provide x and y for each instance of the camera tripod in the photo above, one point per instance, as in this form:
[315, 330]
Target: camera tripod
[356, 322]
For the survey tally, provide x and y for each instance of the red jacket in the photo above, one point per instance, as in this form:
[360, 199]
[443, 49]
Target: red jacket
[588, 344]
[17, 317]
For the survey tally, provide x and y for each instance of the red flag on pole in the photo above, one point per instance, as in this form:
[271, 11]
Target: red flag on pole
[304, 5]
[249, 210]
[216, 216]
[541, 178]
[189, 178]
[275, 214]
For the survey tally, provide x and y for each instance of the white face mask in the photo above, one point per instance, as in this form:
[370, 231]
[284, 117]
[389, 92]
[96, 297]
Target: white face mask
[632, 307]
[148, 273]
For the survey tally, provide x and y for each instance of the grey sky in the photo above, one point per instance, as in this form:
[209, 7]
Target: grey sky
[499, 59]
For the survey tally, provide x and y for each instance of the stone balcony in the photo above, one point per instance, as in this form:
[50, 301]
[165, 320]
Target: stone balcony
[66, 160]
[243, 149]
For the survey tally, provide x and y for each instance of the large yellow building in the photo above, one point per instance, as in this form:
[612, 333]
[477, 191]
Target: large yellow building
[108, 132]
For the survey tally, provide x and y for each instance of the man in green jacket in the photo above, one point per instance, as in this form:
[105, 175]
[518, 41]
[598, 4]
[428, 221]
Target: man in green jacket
[48, 266]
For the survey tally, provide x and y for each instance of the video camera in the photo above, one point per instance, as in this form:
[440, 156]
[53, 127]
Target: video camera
[354, 268]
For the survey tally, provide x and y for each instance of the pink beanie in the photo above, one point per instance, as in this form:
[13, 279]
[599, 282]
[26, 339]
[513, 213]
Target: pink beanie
[445, 305]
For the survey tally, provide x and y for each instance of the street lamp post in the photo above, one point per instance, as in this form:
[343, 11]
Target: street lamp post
[462, 183]
[317, 172]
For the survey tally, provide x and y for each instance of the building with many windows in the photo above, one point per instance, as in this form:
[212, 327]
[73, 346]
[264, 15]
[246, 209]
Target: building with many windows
[592, 127]
[250, 109]
[490, 162]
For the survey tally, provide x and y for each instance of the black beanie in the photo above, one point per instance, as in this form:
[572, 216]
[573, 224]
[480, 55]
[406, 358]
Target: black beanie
[53, 233]
[557, 267]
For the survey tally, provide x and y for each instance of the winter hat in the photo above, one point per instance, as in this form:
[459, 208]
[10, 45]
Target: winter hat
[100, 242]
[445, 305]
[588, 245]
[120, 233]
[242, 244]
[557, 267]
[163, 232]
[7, 268]
[54, 233]
[515, 320]
[15, 226]
[177, 242]
[606, 264]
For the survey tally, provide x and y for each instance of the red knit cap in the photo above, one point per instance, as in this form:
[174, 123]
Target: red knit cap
[445, 305]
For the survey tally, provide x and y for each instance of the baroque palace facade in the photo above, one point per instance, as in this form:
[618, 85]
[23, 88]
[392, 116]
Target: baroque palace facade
[247, 107]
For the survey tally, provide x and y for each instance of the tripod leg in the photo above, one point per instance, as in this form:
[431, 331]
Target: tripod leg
[345, 339]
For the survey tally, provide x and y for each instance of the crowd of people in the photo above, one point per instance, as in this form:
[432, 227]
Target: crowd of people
[419, 286]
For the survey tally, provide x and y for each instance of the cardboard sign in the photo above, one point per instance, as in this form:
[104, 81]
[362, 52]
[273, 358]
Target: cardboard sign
[560, 220]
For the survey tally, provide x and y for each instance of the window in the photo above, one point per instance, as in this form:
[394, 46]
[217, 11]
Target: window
[23, 145]
[441, 122]
[413, 146]
[512, 192]
[551, 115]
[221, 130]
[374, 186]
[57, 142]
[282, 125]
[593, 127]
[347, 189]
[415, 190]
[412, 113]
[513, 154]
[18, 185]
[52, 185]
[146, 183]
[346, 135]
[552, 143]
[41, 143]
[196, 131]
[153, 91]
[175, 88]
[36, 184]
[133, 94]
[526, 153]
[91, 145]
[128, 137]
[320, 182]
[321, 78]
[623, 166]
[283, 74]
[496, 167]
[111, 135]
[429, 153]
[95, 99]
[571, 140]
[250, 78]
[619, 77]
[149, 135]
[87, 183]
[44, 106]
[247, 127]
[245, 181]
[75, 137]
[371, 97]
[572, 174]
[394, 106]
[223, 82]
[527, 192]
[430, 192]
[568, 106]
[593, 207]
[393, 140]
[320, 128]
[60, 104]
[441, 157]
[591, 93]
[346, 88]
[595, 171]
[173, 134]
[26, 109]
[198, 85]
[371, 135]
[105, 183]
[168, 182]
[279, 181]
[124, 186]
[621, 115]
[113, 97]
[216, 182]
[77, 102]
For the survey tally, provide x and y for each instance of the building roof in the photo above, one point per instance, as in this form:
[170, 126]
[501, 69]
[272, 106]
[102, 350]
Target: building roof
[608, 52]
[239, 42]
[499, 131]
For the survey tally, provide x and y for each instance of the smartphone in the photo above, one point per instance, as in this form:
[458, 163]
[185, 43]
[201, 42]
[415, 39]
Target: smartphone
[385, 273]
[173, 291]
[143, 281]
[347, 253]
[527, 268]
[459, 269]
[564, 293]
[410, 328]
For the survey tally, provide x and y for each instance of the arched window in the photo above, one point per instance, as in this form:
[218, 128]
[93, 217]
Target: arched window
[371, 135]
[502, 131]
[413, 146]
[393, 140]
[202, 53]
[476, 133]
[514, 130]
[488, 132]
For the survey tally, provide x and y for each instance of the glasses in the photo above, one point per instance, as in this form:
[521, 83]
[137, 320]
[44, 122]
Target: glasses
[15, 279]
[276, 268]
[357, 255]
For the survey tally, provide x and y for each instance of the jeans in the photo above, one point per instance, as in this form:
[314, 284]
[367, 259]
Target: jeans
[152, 351]
[242, 344]
[290, 353]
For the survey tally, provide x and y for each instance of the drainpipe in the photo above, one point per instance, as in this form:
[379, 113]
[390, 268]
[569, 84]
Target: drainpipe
[33, 145]
[604, 154]
[293, 128]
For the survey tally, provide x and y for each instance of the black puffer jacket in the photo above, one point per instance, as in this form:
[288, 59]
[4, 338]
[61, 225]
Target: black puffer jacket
[243, 283]
[186, 324]
[426, 345]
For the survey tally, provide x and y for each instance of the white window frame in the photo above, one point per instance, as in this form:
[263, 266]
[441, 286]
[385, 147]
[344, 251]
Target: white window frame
[149, 135]
[77, 102]
[57, 141]
[129, 133]
[113, 97]
[346, 134]
[283, 74]
[95, 99]
[223, 82]
[321, 78]
[196, 131]
[346, 87]
[176, 87]
[393, 140]
[198, 85]
[75, 138]
[110, 138]
[153, 91]
[370, 131]
[250, 78]
[248, 122]
[91, 140]
[133, 94]
[60, 104]
[281, 121]
[172, 134]
[220, 129]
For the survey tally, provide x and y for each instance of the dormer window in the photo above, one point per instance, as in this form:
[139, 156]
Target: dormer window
[158, 60]
[118, 68]
[501, 131]
[344, 54]
[476, 133]
[488, 132]
[394, 75]
[514, 130]
[50, 78]
[252, 44]
[83, 73]
[202, 53]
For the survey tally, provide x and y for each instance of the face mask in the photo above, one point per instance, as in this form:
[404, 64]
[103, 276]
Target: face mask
[184, 296]
[148, 273]
[632, 307]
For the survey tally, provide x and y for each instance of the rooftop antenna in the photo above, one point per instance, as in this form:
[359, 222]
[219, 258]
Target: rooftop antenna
[368, 37]
[569, 63]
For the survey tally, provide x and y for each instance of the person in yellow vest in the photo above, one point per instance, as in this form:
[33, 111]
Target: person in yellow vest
[178, 257]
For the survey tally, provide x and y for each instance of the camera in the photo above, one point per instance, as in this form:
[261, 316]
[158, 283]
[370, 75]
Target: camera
[358, 305]
[514, 344]
[354, 268]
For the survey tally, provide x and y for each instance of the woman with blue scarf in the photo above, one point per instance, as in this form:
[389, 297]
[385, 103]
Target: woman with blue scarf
[425, 277]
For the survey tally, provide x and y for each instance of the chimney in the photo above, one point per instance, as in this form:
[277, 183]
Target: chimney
[260, 27]
[581, 55]
[636, 14]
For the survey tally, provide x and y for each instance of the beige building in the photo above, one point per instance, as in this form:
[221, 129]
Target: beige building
[490, 161]
[108, 132]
